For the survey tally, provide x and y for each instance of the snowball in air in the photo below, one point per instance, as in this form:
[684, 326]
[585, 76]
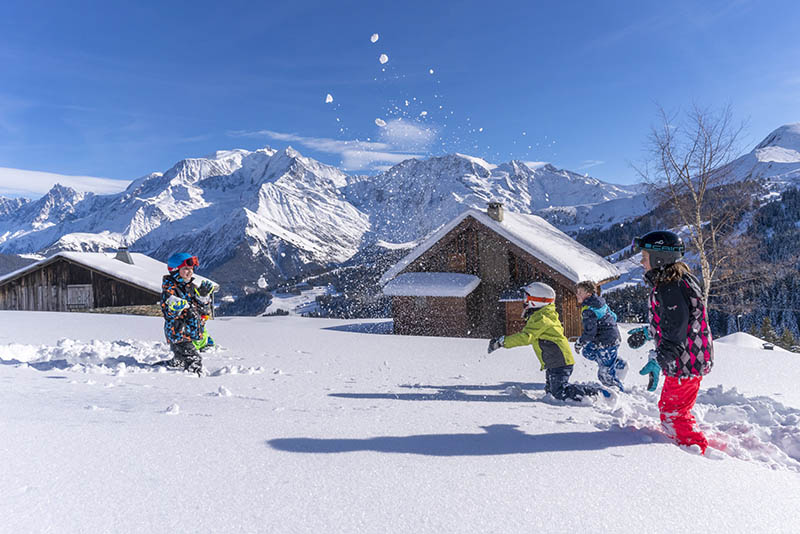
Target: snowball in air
[374, 38]
[383, 59]
[423, 113]
[430, 71]
[328, 98]
[380, 122]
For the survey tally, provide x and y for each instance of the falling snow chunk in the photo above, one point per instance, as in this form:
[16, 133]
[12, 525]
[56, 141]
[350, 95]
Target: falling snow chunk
[328, 98]
[480, 129]
[423, 113]
[374, 38]
[383, 58]
[380, 122]
[430, 71]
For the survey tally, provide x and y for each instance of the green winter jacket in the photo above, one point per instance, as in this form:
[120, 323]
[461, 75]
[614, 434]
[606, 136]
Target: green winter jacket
[544, 331]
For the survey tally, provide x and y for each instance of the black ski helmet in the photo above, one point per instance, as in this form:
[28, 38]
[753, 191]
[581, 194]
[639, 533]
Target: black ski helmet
[664, 247]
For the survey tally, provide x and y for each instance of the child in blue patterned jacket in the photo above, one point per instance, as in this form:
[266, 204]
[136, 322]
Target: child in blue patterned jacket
[600, 339]
[185, 309]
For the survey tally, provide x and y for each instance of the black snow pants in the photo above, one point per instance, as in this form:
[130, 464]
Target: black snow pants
[186, 356]
[557, 384]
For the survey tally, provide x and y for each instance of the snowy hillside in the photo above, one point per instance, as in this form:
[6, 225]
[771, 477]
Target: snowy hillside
[311, 425]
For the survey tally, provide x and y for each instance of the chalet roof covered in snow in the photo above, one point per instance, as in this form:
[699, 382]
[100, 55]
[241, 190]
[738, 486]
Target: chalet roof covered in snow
[144, 272]
[431, 285]
[532, 234]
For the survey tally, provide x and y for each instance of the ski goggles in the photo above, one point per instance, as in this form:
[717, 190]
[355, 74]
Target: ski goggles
[638, 245]
[531, 299]
[191, 261]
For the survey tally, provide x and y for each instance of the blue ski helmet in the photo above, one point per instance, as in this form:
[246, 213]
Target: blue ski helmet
[181, 259]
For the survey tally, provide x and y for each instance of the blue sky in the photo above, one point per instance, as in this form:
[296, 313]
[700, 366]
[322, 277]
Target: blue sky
[113, 90]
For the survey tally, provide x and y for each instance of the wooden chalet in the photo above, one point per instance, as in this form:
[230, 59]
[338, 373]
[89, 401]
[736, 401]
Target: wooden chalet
[494, 254]
[81, 281]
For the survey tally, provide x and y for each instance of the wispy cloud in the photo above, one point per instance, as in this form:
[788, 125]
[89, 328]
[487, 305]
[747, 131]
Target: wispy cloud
[407, 135]
[20, 182]
[398, 143]
[589, 163]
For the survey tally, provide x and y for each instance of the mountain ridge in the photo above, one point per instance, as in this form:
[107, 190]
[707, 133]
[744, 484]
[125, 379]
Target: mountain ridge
[279, 214]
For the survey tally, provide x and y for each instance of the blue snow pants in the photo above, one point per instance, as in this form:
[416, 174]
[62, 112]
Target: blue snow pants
[557, 384]
[611, 368]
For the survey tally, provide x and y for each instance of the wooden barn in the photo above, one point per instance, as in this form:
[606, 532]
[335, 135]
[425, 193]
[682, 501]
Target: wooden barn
[81, 281]
[465, 280]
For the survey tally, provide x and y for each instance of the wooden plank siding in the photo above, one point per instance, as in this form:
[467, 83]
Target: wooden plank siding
[45, 289]
[430, 316]
[472, 248]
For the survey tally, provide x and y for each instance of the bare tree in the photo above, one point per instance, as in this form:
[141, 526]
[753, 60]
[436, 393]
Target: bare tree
[690, 175]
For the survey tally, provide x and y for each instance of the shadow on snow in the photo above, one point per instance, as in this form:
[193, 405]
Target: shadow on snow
[495, 440]
[452, 393]
[384, 327]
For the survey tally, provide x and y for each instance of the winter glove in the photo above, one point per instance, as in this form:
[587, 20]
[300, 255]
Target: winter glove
[177, 305]
[638, 337]
[579, 346]
[668, 364]
[205, 288]
[204, 291]
[495, 343]
[654, 370]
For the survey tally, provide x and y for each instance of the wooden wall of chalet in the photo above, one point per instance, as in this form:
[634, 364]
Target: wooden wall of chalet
[471, 248]
[431, 316]
[45, 289]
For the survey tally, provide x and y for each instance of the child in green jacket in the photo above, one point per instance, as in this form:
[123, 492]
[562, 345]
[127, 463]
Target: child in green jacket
[543, 330]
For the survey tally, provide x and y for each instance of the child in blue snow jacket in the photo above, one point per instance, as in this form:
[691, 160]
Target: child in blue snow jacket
[600, 339]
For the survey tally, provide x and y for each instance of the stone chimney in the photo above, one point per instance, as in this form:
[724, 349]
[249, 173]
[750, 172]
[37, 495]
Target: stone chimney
[495, 211]
[124, 256]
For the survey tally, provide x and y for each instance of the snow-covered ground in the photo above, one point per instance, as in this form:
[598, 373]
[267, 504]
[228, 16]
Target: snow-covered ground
[308, 425]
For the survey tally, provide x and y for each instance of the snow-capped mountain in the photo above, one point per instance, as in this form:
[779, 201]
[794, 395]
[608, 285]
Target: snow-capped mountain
[776, 159]
[255, 212]
[415, 197]
[279, 214]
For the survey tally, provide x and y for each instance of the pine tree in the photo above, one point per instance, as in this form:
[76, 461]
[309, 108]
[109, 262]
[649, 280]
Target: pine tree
[787, 340]
[767, 332]
[753, 331]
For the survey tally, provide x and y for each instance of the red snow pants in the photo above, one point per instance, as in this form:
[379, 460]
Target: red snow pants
[677, 400]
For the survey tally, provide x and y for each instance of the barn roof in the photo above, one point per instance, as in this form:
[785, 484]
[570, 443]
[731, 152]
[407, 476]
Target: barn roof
[145, 272]
[431, 285]
[535, 236]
